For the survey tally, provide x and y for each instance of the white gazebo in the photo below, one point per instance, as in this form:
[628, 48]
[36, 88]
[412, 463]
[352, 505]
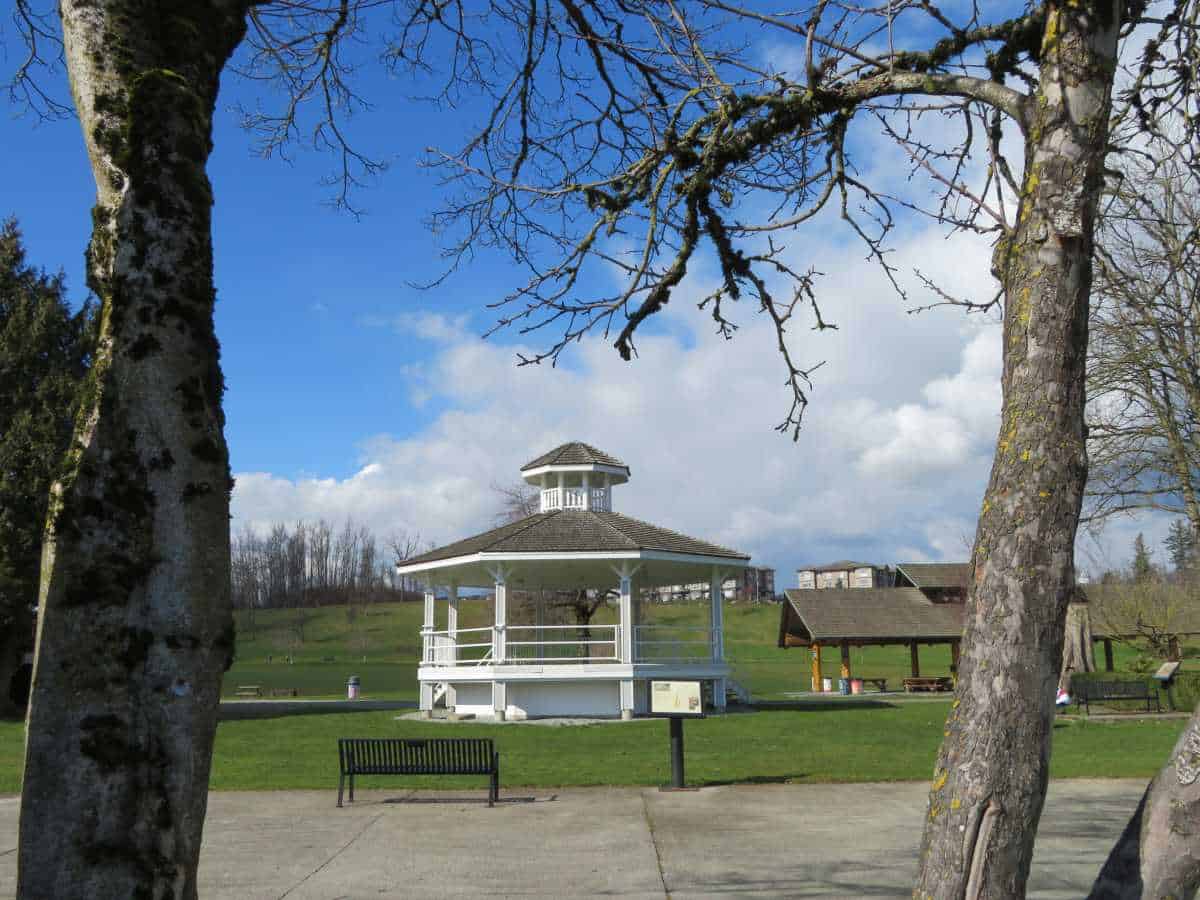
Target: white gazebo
[574, 542]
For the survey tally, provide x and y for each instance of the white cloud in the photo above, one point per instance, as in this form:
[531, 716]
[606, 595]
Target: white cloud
[891, 464]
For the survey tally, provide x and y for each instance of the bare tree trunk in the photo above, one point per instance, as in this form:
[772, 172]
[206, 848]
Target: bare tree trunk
[1158, 854]
[135, 626]
[1078, 652]
[991, 774]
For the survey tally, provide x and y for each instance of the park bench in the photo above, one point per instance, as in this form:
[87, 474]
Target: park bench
[285, 692]
[249, 690]
[880, 683]
[928, 683]
[424, 756]
[1087, 691]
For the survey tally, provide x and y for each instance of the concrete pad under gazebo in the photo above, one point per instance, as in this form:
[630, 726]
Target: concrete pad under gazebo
[861, 618]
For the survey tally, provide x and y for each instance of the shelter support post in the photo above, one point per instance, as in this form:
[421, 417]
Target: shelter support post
[1108, 655]
[816, 668]
[845, 661]
[716, 598]
[954, 651]
[915, 657]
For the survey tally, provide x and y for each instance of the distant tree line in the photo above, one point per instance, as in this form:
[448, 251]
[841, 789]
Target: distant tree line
[313, 564]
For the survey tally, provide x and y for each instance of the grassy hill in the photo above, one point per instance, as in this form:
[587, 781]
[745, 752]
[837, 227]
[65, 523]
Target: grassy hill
[381, 644]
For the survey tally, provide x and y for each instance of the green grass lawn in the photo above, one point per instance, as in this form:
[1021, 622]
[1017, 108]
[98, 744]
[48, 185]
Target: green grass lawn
[841, 743]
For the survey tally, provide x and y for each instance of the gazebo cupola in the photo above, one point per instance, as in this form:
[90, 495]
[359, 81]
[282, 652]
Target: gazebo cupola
[575, 476]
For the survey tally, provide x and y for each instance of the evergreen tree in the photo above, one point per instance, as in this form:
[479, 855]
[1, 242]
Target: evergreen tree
[1179, 545]
[1142, 568]
[43, 358]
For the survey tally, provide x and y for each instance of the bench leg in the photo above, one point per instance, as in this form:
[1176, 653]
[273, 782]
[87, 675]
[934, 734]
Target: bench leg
[351, 787]
[494, 789]
[341, 781]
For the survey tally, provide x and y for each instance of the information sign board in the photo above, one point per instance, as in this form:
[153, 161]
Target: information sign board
[675, 698]
[1166, 671]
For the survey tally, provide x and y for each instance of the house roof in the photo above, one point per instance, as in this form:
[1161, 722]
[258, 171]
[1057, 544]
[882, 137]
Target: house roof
[574, 453]
[576, 531]
[881, 615]
[936, 575]
[840, 566]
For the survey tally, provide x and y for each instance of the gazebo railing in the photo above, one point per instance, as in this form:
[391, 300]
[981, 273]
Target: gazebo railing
[563, 644]
[524, 644]
[672, 643]
[567, 644]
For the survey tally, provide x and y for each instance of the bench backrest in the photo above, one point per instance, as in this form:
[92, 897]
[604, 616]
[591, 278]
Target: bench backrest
[1094, 689]
[416, 756]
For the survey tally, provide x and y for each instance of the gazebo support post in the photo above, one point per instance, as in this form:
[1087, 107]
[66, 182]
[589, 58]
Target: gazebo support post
[816, 668]
[846, 663]
[625, 650]
[499, 650]
[426, 698]
[915, 657]
[716, 596]
[452, 635]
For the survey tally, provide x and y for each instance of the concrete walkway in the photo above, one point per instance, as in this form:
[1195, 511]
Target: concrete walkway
[850, 841]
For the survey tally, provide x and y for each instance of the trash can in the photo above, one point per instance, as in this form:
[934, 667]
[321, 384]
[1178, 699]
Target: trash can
[352, 688]
[844, 687]
[826, 685]
[856, 685]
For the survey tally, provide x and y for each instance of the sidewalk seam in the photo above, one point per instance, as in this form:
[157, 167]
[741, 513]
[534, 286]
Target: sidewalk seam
[662, 876]
[339, 852]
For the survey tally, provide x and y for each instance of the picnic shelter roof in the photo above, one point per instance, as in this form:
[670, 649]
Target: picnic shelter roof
[876, 616]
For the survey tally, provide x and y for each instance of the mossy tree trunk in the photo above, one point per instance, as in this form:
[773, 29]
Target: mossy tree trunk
[1158, 854]
[1078, 653]
[135, 627]
[991, 774]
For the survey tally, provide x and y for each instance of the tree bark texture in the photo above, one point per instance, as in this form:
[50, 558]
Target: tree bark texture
[1158, 855]
[135, 628]
[991, 773]
[1078, 654]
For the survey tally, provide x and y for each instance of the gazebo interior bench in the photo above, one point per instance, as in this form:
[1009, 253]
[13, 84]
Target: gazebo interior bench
[424, 756]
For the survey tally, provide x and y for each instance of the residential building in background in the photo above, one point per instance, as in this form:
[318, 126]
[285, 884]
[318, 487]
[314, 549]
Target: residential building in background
[844, 575]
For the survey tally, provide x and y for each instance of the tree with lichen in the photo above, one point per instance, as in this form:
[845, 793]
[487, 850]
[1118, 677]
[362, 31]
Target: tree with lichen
[43, 357]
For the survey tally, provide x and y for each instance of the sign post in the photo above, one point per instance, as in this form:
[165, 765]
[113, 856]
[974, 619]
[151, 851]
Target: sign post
[676, 701]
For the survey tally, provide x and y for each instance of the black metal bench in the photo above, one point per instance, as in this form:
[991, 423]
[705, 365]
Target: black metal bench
[1087, 691]
[418, 756]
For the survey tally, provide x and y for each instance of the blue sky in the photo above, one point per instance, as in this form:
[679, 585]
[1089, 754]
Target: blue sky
[353, 394]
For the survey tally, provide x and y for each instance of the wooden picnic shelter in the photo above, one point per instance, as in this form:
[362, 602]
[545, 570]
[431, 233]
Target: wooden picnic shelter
[861, 618]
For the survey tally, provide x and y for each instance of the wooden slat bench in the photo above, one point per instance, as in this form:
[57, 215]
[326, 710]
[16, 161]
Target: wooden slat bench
[248, 690]
[930, 683]
[1087, 691]
[423, 756]
[880, 683]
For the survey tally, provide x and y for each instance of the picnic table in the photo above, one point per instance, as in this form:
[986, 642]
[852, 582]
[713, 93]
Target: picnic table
[928, 683]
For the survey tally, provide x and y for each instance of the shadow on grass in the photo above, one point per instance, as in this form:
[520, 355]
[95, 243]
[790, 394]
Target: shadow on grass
[817, 705]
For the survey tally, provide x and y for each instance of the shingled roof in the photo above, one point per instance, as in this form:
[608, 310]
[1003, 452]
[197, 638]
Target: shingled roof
[932, 576]
[576, 531]
[881, 615]
[574, 453]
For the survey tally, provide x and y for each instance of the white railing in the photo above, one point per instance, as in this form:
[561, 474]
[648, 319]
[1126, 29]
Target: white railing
[525, 645]
[672, 643]
[576, 498]
[543, 644]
